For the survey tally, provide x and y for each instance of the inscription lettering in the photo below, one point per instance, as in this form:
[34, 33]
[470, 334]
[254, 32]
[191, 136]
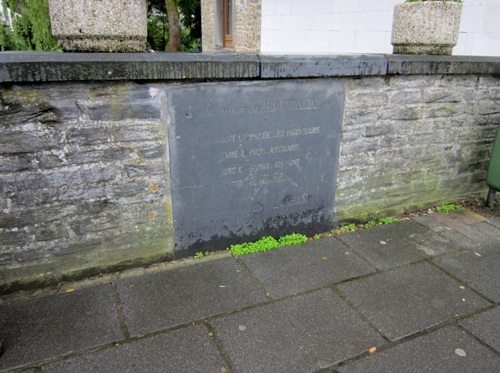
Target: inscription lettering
[270, 106]
[305, 131]
[259, 181]
[293, 215]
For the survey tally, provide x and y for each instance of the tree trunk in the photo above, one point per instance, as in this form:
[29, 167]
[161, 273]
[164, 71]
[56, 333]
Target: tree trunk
[174, 25]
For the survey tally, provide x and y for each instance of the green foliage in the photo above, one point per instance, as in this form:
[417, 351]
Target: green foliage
[389, 220]
[158, 34]
[448, 208]
[31, 30]
[267, 243]
[200, 255]
[292, 239]
[369, 224]
[345, 229]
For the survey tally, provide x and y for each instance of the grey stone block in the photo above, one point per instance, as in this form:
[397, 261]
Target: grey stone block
[53, 326]
[301, 334]
[292, 270]
[37, 67]
[185, 350]
[396, 244]
[477, 267]
[482, 233]
[124, 111]
[439, 351]
[429, 65]
[162, 300]
[321, 66]
[411, 299]
[485, 326]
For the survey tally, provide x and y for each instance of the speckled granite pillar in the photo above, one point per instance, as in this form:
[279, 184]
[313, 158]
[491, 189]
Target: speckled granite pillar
[426, 27]
[99, 26]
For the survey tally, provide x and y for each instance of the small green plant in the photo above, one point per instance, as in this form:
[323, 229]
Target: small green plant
[389, 220]
[267, 243]
[200, 254]
[370, 224]
[292, 239]
[345, 229]
[448, 208]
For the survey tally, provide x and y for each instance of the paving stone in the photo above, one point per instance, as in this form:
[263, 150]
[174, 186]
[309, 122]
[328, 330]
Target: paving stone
[458, 218]
[482, 233]
[184, 350]
[479, 268]
[458, 240]
[410, 299]
[56, 325]
[495, 221]
[440, 351]
[317, 263]
[485, 326]
[300, 334]
[396, 244]
[161, 300]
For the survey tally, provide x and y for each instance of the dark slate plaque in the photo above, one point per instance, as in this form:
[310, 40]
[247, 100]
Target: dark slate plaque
[252, 159]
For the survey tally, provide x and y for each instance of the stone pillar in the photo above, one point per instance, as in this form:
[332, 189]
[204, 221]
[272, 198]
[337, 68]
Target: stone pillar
[99, 26]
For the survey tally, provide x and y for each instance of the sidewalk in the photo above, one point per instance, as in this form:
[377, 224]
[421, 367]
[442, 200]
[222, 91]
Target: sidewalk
[419, 295]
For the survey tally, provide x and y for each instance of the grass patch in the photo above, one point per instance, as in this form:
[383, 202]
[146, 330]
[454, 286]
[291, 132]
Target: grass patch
[448, 208]
[267, 243]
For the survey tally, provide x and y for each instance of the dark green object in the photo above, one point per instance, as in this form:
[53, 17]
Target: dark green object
[493, 177]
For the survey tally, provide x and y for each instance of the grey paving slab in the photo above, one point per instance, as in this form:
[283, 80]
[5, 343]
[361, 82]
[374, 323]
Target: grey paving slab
[161, 300]
[410, 299]
[458, 218]
[56, 325]
[317, 263]
[440, 351]
[478, 267]
[485, 326]
[482, 233]
[457, 239]
[300, 334]
[495, 221]
[184, 350]
[396, 244]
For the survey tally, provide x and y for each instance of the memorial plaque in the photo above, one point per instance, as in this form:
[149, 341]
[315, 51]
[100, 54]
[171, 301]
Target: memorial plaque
[252, 159]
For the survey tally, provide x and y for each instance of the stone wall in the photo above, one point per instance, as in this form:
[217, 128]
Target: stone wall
[84, 180]
[84, 160]
[247, 25]
[411, 142]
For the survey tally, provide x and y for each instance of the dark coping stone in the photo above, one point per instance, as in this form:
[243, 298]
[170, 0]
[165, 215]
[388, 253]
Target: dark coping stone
[485, 326]
[53, 326]
[253, 159]
[321, 66]
[430, 65]
[44, 67]
[302, 334]
[478, 267]
[317, 263]
[411, 299]
[162, 300]
[185, 350]
[435, 352]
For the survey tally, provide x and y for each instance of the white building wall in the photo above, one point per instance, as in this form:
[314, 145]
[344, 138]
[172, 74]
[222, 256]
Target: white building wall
[363, 26]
